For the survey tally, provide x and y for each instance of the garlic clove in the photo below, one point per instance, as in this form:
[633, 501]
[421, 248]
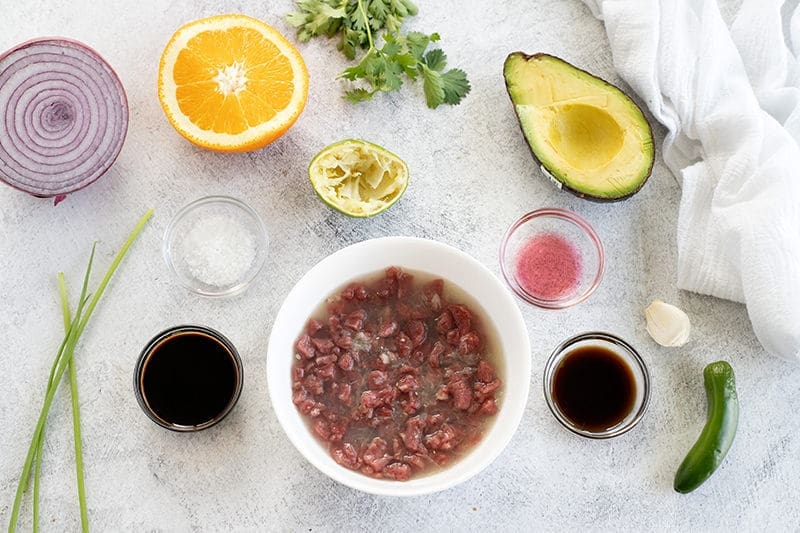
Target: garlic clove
[668, 325]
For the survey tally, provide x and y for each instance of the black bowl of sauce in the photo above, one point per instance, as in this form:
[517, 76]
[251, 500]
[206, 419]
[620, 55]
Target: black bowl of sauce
[596, 385]
[188, 378]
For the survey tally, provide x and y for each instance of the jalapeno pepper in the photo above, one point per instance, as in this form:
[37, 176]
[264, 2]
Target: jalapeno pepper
[717, 436]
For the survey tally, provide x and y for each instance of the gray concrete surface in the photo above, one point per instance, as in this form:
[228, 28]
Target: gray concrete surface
[472, 175]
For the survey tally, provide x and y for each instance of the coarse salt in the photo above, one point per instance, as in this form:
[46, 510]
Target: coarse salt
[219, 250]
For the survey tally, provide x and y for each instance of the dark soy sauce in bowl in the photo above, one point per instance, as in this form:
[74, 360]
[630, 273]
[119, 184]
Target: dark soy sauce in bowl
[188, 378]
[594, 388]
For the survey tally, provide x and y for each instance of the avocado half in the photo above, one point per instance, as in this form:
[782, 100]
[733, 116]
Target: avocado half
[587, 134]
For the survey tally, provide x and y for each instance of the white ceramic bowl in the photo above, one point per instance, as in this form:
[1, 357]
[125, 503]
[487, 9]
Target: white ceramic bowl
[410, 253]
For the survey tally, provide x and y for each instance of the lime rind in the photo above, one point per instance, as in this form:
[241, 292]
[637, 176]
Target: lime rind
[357, 178]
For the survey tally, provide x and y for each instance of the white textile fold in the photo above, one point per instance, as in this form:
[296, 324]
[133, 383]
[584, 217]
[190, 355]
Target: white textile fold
[730, 98]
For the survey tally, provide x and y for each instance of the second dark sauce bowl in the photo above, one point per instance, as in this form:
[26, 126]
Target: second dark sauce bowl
[626, 354]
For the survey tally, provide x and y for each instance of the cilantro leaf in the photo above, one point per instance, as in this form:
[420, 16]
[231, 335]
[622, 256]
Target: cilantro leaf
[355, 96]
[317, 17]
[455, 85]
[353, 73]
[408, 63]
[359, 25]
[403, 7]
[391, 48]
[349, 43]
[433, 87]
[379, 10]
[393, 23]
[296, 19]
[436, 60]
[359, 20]
[417, 43]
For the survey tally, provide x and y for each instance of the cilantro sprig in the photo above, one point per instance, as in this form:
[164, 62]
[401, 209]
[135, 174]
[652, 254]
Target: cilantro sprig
[359, 23]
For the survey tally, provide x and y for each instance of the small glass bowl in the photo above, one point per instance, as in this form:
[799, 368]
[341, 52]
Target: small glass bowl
[574, 230]
[622, 349]
[187, 263]
[154, 344]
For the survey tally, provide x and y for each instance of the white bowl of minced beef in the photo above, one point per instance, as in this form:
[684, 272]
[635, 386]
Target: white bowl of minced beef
[399, 366]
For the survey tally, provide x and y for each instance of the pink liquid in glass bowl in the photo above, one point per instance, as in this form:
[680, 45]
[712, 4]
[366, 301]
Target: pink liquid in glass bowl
[552, 258]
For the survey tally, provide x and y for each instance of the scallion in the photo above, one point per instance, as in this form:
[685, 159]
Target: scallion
[64, 357]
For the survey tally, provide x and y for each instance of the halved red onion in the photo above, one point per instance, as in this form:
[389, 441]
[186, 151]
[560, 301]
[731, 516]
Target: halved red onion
[63, 116]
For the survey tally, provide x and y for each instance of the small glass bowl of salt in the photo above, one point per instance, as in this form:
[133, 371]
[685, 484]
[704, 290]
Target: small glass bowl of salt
[216, 246]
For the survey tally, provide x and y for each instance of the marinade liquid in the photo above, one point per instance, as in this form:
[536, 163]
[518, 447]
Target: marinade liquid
[594, 388]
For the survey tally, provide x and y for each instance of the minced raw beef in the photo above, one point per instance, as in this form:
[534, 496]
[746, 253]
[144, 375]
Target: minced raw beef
[395, 379]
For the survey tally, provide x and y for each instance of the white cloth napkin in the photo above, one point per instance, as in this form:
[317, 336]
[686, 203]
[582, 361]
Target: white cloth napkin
[730, 98]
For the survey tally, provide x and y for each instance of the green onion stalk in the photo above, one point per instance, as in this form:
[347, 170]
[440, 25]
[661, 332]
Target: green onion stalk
[73, 326]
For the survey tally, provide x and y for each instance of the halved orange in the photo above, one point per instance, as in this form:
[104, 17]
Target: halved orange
[231, 83]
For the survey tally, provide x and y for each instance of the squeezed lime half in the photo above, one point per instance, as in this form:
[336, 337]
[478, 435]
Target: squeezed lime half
[358, 178]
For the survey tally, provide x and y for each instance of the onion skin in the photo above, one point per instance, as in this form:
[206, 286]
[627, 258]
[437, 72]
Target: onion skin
[63, 117]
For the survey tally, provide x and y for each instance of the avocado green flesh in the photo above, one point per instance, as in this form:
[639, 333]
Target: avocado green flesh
[587, 134]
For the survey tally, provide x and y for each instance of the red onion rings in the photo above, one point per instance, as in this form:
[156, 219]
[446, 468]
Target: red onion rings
[63, 117]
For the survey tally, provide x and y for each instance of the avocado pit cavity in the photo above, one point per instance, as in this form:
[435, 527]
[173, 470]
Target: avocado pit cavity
[587, 137]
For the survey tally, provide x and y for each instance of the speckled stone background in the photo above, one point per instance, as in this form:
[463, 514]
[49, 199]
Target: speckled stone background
[472, 176]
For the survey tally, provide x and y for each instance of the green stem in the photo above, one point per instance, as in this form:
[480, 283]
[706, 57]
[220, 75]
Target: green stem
[113, 268]
[62, 291]
[372, 49]
[36, 474]
[76, 411]
[64, 356]
[366, 24]
[40, 445]
[38, 456]
[76, 431]
[38, 431]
